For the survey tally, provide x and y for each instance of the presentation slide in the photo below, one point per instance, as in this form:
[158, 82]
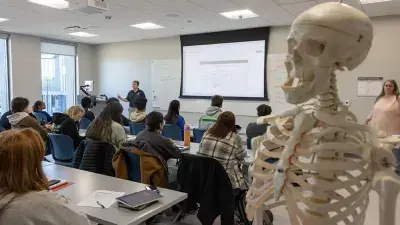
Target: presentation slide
[230, 69]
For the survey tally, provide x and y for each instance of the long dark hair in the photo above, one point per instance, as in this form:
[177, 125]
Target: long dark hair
[395, 91]
[100, 128]
[173, 112]
[36, 106]
[224, 125]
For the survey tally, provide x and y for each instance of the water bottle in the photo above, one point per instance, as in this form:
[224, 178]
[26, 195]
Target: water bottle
[186, 136]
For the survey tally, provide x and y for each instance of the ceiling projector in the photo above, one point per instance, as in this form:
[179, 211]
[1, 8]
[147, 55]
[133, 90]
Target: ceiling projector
[88, 6]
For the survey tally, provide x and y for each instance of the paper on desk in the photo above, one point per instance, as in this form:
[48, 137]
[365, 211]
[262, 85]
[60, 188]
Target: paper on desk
[106, 198]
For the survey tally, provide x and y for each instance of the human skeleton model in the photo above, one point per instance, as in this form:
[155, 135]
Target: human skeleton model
[328, 163]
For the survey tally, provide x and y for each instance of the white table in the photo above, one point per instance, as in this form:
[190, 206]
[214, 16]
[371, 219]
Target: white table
[85, 183]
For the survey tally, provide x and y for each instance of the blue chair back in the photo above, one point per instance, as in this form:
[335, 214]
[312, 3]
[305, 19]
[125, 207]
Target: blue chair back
[62, 149]
[40, 117]
[2, 129]
[84, 123]
[198, 134]
[132, 161]
[135, 128]
[173, 131]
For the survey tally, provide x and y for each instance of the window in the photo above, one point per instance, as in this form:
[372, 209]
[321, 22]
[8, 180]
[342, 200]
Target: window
[4, 93]
[58, 76]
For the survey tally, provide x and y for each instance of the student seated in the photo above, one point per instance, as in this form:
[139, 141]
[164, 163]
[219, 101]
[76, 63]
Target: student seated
[107, 126]
[163, 146]
[68, 124]
[222, 143]
[212, 113]
[173, 116]
[86, 102]
[125, 121]
[5, 123]
[38, 107]
[20, 117]
[254, 129]
[139, 115]
[24, 188]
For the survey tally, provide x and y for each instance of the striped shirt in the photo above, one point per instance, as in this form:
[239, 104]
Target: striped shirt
[228, 151]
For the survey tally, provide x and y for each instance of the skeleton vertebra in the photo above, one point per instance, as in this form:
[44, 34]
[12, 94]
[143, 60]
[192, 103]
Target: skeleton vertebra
[328, 164]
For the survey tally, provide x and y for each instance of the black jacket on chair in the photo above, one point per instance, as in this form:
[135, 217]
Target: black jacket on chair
[94, 156]
[206, 182]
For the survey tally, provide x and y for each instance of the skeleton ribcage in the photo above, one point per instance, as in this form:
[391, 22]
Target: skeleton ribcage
[328, 180]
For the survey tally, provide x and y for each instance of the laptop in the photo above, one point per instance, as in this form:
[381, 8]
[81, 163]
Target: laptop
[139, 200]
[181, 146]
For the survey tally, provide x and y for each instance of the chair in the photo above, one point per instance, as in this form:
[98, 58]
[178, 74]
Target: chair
[198, 134]
[173, 131]
[40, 117]
[135, 128]
[2, 129]
[84, 123]
[62, 149]
[132, 161]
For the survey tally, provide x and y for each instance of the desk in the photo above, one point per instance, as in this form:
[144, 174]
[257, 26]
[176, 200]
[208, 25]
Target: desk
[85, 183]
[45, 163]
[82, 133]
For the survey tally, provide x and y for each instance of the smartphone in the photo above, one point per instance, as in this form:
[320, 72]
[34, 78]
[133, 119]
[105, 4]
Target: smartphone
[53, 182]
[152, 188]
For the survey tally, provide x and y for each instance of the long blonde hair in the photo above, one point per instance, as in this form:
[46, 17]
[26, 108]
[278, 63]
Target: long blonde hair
[73, 112]
[21, 154]
[395, 92]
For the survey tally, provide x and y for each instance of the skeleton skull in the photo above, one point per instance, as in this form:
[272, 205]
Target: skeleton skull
[325, 38]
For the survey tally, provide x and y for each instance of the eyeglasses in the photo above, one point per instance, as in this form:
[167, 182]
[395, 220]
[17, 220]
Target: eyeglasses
[388, 85]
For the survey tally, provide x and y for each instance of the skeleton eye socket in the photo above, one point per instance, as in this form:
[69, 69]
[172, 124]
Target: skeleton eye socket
[314, 47]
[292, 43]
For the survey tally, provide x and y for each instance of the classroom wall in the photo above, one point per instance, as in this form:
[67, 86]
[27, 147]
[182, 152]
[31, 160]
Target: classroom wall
[25, 65]
[382, 61]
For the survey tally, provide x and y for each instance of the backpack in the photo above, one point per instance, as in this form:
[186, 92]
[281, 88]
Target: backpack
[240, 211]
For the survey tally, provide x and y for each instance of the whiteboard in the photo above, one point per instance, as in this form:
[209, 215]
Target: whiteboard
[276, 76]
[166, 84]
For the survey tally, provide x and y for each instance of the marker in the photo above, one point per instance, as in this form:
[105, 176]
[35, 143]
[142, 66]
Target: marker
[102, 206]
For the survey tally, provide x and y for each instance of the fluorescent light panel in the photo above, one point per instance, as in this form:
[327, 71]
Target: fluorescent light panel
[147, 26]
[3, 19]
[59, 4]
[83, 34]
[373, 1]
[239, 14]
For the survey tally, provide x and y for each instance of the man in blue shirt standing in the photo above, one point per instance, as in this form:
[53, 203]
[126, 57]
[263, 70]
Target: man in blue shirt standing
[132, 95]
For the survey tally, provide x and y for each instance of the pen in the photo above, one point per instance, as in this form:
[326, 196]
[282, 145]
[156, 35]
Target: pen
[102, 206]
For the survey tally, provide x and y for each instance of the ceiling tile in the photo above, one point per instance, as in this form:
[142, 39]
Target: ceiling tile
[284, 2]
[382, 8]
[354, 3]
[298, 8]
[276, 15]
[217, 6]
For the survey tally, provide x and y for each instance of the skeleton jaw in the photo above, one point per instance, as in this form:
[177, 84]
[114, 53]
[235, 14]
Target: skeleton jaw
[297, 90]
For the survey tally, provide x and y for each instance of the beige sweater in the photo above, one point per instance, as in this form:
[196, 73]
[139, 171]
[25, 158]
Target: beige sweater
[38, 208]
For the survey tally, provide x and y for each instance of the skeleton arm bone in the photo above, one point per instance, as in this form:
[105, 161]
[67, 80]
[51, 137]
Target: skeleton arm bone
[302, 123]
[268, 119]
[387, 186]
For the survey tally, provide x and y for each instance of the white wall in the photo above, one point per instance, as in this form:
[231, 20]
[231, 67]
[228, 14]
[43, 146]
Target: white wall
[382, 61]
[25, 66]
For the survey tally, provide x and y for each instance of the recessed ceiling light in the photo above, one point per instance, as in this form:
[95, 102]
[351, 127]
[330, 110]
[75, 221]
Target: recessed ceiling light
[147, 26]
[59, 4]
[373, 1]
[239, 14]
[83, 34]
[3, 19]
